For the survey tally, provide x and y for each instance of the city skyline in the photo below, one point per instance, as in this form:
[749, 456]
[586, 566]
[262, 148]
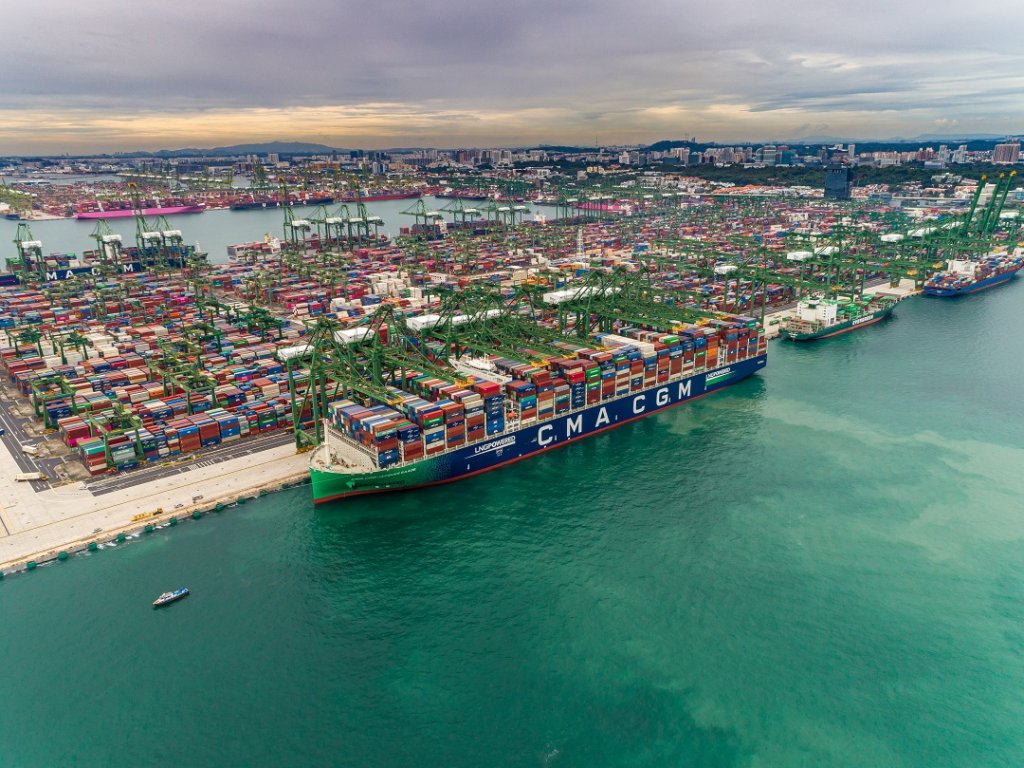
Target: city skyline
[355, 74]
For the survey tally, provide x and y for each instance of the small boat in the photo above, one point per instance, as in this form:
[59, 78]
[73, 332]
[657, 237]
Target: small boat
[170, 597]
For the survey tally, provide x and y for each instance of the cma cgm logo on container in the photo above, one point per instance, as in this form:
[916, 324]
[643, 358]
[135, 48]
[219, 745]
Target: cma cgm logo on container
[67, 274]
[574, 424]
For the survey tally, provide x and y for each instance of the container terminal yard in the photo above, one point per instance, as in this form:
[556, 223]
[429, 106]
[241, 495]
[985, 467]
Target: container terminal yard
[143, 384]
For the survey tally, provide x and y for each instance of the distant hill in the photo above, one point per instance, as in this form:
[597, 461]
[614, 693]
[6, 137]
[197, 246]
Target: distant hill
[939, 138]
[269, 147]
[666, 144]
[563, 148]
[947, 138]
[277, 147]
[974, 142]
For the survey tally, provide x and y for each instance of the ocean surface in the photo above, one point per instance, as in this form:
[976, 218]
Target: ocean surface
[822, 566]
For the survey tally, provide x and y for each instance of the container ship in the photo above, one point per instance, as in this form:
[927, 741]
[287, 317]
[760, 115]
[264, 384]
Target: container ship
[30, 266]
[273, 201]
[966, 276]
[822, 318]
[123, 210]
[463, 194]
[373, 197]
[253, 202]
[501, 411]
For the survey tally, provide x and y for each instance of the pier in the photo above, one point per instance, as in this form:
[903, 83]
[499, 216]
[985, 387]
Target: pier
[38, 525]
[905, 289]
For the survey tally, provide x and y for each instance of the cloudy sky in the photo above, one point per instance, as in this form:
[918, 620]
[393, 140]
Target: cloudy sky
[140, 74]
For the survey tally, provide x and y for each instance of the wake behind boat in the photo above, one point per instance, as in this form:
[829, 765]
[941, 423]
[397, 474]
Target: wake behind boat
[170, 597]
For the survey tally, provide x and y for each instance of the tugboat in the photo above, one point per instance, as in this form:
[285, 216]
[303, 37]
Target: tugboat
[170, 597]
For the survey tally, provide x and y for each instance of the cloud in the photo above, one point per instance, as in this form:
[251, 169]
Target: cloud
[111, 75]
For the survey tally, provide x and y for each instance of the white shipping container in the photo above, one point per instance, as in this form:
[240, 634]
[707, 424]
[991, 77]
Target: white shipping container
[351, 335]
[287, 353]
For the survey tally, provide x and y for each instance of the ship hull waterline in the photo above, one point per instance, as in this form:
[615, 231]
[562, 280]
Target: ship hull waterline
[510, 447]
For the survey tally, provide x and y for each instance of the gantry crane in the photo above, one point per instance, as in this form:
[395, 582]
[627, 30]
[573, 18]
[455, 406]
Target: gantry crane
[426, 220]
[30, 253]
[462, 215]
[295, 229]
[109, 245]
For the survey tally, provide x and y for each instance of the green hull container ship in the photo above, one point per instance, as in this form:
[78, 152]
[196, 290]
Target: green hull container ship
[822, 318]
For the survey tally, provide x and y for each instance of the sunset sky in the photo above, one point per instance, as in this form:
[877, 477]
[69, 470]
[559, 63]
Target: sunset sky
[109, 75]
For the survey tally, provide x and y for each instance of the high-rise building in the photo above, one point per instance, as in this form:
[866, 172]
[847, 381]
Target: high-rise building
[837, 182]
[1006, 154]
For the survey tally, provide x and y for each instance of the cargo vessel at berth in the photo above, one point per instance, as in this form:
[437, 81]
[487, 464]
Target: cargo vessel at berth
[122, 213]
[376, 197]
[274, 201]
[381, 449]
[822, 318]
[966, 276]
[163, 248]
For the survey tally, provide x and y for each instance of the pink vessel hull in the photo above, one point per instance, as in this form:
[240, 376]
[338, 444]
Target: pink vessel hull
[126, 212]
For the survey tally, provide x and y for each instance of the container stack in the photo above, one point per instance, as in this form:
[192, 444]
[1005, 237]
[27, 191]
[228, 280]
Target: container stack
[375, 428]
[522, 396]
[494, 406]
[473, 407]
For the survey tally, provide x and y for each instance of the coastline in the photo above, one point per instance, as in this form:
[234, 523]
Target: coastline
[36, 527]
[39, 526]
[40, 216]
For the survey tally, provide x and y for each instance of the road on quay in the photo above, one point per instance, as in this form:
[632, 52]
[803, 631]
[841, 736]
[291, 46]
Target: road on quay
[16, 438]
[207, 458]
[792, 305]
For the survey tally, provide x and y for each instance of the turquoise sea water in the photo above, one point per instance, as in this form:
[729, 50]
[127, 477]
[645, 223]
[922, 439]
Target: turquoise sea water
[823, 566]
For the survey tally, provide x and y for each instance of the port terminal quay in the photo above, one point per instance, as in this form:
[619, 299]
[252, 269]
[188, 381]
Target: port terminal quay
[39, 522]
